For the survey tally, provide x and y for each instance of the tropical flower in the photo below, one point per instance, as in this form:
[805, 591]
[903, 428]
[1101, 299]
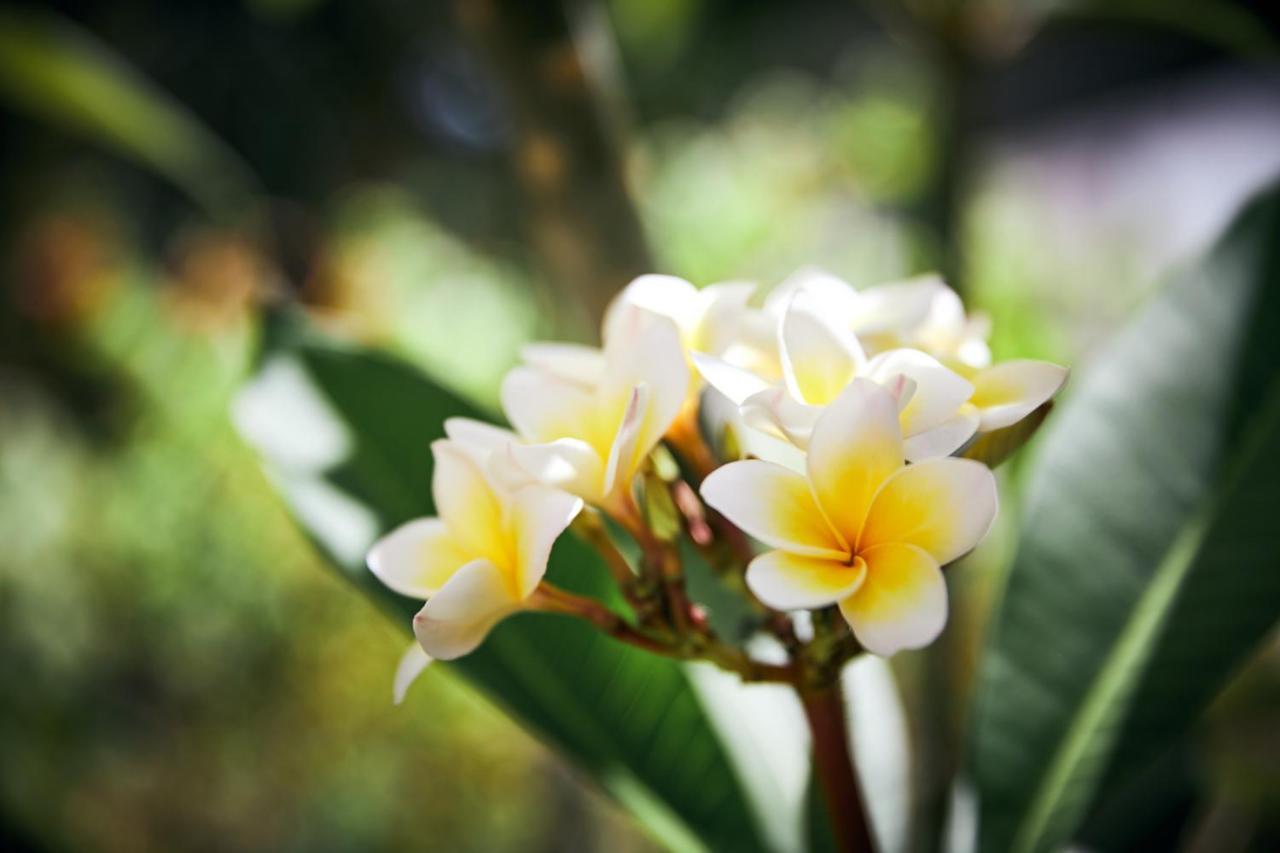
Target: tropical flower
[913, 337]
[587, 419]
[859, 528]
[820, 358]
[481, 559]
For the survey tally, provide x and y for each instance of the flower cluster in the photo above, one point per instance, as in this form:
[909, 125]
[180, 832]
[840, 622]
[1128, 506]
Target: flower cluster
[839, 420]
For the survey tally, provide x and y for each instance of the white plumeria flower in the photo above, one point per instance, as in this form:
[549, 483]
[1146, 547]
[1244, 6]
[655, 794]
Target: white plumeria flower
[587, 419]
[709, 319]
[479, 560]
[924, 314]
[819, 360]
[859, 528]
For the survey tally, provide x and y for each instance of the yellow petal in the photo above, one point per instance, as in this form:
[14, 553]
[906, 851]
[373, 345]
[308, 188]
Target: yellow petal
[774, 505]
[467, 503]
[854, 448]
[417, 557]
[1011, 390]
[789, 581]
[902, 604]
[819, 358]
[944, 506]
[538, 516]
[543, 407]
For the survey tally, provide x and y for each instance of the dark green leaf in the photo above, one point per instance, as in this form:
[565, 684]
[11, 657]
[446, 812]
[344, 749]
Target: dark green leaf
[1147, 570]
[347, 434]
[52, 69]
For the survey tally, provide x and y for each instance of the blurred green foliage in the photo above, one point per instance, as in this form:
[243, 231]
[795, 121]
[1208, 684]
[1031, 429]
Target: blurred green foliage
[176, 670]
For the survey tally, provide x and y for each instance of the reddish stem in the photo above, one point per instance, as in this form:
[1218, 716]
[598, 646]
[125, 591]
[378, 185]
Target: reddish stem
[824, 708]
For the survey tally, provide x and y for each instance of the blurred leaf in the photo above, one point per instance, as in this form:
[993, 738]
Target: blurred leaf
[347, 434]
[1231, 26]
[1147, 567]
[53, 69]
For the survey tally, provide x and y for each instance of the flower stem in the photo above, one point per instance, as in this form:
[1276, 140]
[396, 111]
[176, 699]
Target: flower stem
[824, 708]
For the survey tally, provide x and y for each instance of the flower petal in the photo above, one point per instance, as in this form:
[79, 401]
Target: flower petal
[538, 516]
[457, 618]
[856, 445]
[1011, 390]
[577, 363]
[944, 506]
[944, 439]
[789, 581]
[646, 350]
[417, 557]
[626, 450]
[478, 436]
[465, 499]
[776, 412]
[734, 382]
[899, 307]
[666, 295]
[774, 505]
[818, 358]
[412, 663]
[939, 392]
[722, 310]
[543, 407]
[834, 296]
[567, 463]
[902, 604]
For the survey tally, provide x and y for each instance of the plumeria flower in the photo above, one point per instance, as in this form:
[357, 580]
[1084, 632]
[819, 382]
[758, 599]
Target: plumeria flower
[587, 419]
[479, 561]
[709, 319]
[819, 360]
[859, 529]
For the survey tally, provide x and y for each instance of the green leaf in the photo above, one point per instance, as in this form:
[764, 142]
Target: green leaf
[51, 68]
[347, 436]
[1147, 569]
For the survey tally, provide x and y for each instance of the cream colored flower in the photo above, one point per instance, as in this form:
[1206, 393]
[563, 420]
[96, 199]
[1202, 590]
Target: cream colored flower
[587, 419]
[480, 559]
[859, 528]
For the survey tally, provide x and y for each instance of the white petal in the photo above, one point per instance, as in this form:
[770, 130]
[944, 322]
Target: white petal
[733, 382]
[412, 663]
[626, 451]
[417, 558]
[939, 392]
[543, 407]
[902, 604]
[776, 412]
[647, 352]
[1011, 390]
[790, 582]
[667, 295]
[774, 505]
[577, 363]
[944, 439]
[465, 498]
[478, 436]
[457, 618]
[538, 516]
[855, 447]
[834, 296]
[723, 312]
[568, 463]
[945, 506]
[898, 308]
[818, 358]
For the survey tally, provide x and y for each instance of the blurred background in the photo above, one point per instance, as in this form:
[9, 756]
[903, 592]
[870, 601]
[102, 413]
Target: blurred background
[449, 181]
